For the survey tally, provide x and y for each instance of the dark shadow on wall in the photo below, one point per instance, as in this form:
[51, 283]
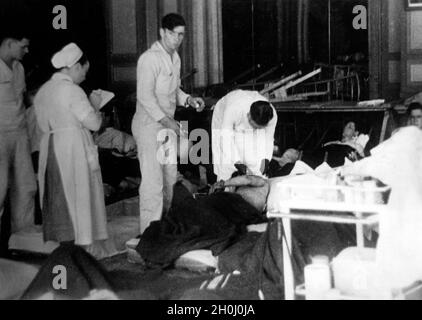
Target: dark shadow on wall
[85, 26]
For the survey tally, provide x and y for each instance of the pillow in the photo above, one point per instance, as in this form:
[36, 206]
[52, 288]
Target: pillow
[197, 260]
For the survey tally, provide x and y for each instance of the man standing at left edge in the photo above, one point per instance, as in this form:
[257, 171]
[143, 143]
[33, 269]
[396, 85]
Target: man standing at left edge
[17, 177]
[158, 93]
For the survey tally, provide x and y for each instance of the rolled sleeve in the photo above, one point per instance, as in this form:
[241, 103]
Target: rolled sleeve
[181, 97]
[147, 73]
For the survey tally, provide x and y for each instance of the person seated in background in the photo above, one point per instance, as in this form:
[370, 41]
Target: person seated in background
[351, 147]
[354, 139]
[117, 154]
[414, 114]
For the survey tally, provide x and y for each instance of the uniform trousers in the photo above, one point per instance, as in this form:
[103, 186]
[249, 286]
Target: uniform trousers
[158, 164]
[17, 178]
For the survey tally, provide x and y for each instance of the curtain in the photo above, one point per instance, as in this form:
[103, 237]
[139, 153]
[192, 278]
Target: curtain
[203, 48]
[293, 26]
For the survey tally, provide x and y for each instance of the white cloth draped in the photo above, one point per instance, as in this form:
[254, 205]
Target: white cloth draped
[398, 163]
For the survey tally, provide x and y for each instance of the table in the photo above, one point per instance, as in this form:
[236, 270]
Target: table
[362, 215]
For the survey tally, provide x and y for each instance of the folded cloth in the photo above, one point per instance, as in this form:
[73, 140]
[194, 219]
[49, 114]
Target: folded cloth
[197, 260]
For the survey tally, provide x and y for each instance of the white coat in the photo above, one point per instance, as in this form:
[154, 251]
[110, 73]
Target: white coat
[64, 112]
[234, 139]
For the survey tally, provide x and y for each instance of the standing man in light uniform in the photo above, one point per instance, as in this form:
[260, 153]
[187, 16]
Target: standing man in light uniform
[158, 93]
[16, 171]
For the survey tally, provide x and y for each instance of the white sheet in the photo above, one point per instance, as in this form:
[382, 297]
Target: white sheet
[303, 175]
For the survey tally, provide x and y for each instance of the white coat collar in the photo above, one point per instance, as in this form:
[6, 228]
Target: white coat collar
[158, 46]
[61, 76]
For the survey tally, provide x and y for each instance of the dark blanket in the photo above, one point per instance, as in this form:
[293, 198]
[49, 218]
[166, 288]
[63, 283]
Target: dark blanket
[275, 170]
[83, 273]
[79, 273]
[114, 168]
[214, 222]
[334, 155]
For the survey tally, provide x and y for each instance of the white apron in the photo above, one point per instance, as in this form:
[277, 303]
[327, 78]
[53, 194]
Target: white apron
[76, 155]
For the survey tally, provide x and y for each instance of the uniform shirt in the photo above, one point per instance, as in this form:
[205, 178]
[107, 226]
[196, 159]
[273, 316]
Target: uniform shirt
[12, 87]
[158, 84]
[234, 139]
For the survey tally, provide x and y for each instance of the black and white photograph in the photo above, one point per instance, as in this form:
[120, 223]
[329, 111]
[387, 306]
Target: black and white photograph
[202, 150]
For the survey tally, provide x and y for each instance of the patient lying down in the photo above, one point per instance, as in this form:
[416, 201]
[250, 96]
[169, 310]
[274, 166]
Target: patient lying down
[213, 222]
[219, 222]
[253, 189]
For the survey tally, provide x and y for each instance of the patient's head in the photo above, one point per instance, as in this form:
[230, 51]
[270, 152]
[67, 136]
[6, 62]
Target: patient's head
[349, 131]
[291, 155]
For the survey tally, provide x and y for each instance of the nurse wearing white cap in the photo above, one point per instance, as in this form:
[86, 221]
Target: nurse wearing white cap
[71, 188]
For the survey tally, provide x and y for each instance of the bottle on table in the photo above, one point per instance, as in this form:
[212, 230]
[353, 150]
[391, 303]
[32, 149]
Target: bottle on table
[317, 278]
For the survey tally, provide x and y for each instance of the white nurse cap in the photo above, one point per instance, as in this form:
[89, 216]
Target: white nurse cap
[67, 56]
